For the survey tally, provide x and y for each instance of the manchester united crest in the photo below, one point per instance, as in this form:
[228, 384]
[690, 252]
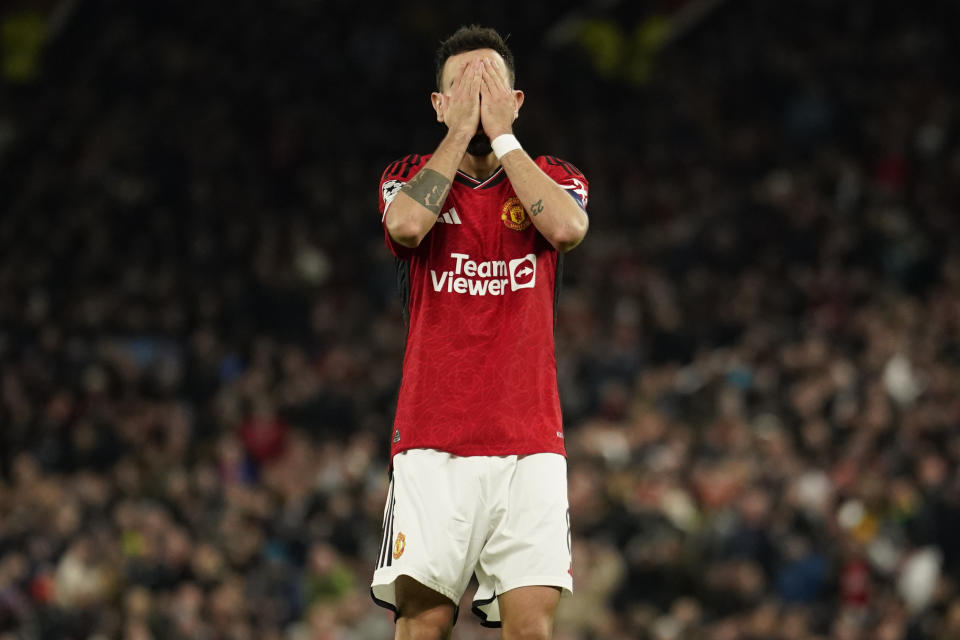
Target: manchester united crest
[399, 545]
[514, 215]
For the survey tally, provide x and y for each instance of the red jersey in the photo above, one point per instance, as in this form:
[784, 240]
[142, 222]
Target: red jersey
[480, 292]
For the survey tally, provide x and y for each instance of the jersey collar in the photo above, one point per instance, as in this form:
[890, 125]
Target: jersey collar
[469, 181]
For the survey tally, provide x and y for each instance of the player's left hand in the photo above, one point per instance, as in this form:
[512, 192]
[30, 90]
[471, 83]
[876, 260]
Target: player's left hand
[499, 104]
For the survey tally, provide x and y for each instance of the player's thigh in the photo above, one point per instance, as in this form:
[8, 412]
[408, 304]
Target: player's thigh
[526, 613]
[531, 544]
[422, 613]
[438, 531]
[433, 530]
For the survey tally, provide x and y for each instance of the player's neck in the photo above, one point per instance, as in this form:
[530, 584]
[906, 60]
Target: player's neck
[479, 167]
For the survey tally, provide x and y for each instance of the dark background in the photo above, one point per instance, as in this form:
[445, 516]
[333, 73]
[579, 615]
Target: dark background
[758, 342]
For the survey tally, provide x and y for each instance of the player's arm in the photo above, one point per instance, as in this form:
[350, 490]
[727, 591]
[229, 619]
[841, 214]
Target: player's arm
[414, 211]
[557, 216]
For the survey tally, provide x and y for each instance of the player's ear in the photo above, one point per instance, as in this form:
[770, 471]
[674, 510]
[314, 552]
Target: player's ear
[518, 96]
[436, 99]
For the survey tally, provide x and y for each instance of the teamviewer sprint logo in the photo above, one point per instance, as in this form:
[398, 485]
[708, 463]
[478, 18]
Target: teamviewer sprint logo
[485, 277]
[523, 272]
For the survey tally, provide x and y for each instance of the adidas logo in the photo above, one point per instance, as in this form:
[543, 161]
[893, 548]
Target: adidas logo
[450, 217]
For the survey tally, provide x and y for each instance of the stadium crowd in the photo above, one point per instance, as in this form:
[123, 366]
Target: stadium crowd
[758, 342]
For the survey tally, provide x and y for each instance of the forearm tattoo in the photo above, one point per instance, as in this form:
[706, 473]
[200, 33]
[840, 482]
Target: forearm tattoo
[429, 188]
[536, 207]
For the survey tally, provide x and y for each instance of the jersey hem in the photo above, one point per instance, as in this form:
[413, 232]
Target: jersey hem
[469, 451]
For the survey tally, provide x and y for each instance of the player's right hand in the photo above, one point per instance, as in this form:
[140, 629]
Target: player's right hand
[460, 108]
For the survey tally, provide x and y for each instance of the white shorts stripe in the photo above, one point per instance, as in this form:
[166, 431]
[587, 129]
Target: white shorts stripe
[387, 525]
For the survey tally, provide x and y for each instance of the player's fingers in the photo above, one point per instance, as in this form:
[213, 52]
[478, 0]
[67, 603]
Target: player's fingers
[484, 84]
[458, 78]
[464, 81]
[490, 87]
[489, 80]
[505, 84]
[496, 80]
[476, 80]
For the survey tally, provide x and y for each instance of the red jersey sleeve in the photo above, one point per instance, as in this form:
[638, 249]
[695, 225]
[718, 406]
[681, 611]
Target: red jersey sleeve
[567, 176]
[393, 178]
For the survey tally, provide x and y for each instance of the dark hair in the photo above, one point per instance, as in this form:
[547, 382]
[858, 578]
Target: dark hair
[471, 38]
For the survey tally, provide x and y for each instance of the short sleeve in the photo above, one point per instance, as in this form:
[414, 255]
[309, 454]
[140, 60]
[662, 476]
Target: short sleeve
[567, 176]
[393, 178]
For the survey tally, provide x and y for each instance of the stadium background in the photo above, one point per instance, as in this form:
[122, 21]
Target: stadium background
[758, 342]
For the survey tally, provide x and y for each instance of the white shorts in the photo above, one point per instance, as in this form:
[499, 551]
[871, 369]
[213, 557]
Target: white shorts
[505, 518]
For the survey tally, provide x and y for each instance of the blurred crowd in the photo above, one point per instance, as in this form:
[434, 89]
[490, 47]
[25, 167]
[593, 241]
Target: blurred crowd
[758, 342]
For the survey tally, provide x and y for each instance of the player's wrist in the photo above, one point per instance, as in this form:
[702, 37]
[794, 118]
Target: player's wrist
[504, 143]
[460, 137]
[495, 132]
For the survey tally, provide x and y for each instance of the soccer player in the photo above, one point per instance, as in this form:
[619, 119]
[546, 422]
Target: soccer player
[478, 482]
